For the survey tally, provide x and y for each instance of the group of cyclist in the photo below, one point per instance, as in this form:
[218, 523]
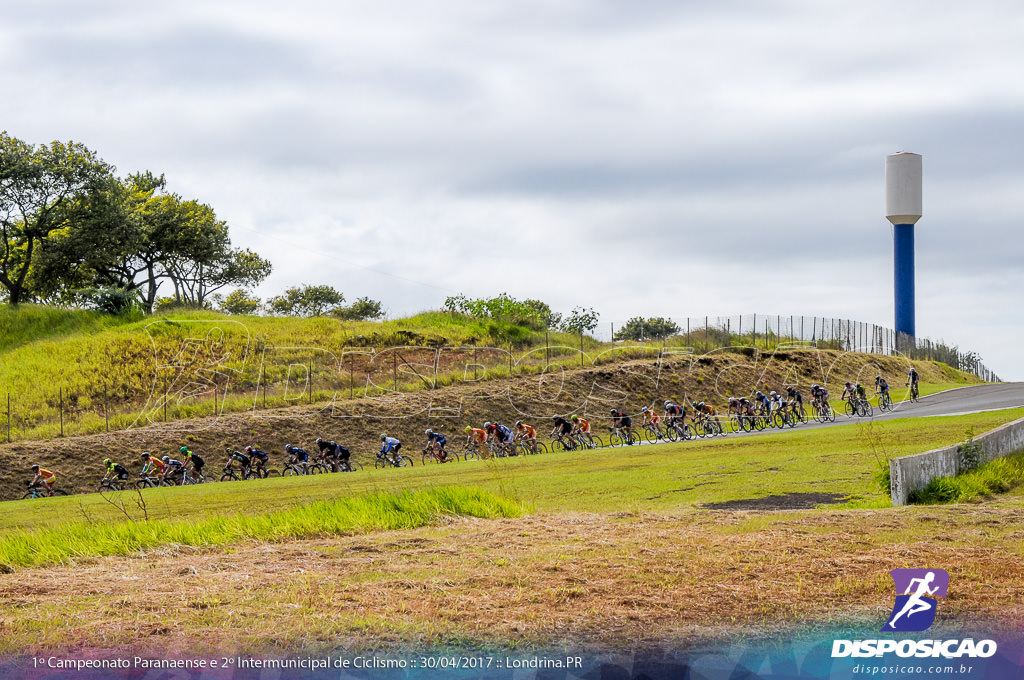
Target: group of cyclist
[188, 466]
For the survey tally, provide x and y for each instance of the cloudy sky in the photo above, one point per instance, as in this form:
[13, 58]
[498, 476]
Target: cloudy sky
[652, 157]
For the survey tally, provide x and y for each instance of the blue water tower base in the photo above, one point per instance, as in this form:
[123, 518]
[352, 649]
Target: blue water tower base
[903, 247]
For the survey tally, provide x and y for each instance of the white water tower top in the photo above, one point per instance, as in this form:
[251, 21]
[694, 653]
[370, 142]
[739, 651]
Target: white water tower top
[903, 187]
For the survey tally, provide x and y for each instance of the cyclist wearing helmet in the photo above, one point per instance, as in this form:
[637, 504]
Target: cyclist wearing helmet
[258, 459]
[298, 456]
[746, 407]
[562, 427]
[502, 435]
[762, 402]
[674, 413]
[527, 434]
[734, 405]
[152, 465]
[881, 385]
[389, 445]
[194, 460]
[912, 377]
[475, 436]
[114, 470]
[582, 426]
[435, 444]
[44, 477]
[651, 415]
[175, 469]
[621, 421]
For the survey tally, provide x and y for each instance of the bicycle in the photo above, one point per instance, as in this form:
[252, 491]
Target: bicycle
[858, 406]
[586, 440]
[652, 433]
[41, 491]
[884, 401]
[915, 394]
[431, 455]
[529, 447]
[678, 431]
[823, 411]
[392, 460]
[622, 437]
[293, 469]
[150, 481]
[471, 452]
[564, 442]
[111, 484]
[706, 425]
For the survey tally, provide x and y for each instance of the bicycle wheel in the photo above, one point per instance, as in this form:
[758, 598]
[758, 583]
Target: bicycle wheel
[650, 435]
[429, 458]
[32, 494]
[671, 433]
[849, 407]
[380, 464]
[470, 454]
[541, 447]
[353, 466]
[405, 461]
[273, 472]
[615, 439]
[866, 410]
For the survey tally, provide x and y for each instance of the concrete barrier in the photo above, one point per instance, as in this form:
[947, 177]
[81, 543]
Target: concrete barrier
[914, 473]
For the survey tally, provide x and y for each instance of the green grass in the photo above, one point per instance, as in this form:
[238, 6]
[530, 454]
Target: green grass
[362, 513]
[995, 477]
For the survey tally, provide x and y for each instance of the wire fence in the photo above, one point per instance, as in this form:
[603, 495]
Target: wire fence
[225, 372]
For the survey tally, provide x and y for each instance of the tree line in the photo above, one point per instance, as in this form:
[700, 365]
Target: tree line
[73, 232]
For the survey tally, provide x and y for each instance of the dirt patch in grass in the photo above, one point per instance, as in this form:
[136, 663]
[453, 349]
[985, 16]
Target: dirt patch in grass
[578, 581]
[786, 501]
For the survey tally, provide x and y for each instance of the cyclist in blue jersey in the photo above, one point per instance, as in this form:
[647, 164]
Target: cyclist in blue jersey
[435, 443]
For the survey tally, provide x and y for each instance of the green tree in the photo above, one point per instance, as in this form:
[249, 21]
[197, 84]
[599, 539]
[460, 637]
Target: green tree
[306, 301]
[531, 313]
[655, 328]
[239, 301]
[363, 309]
[36, 185]
[580, 320]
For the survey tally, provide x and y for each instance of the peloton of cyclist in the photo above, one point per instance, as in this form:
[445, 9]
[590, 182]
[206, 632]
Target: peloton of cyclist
[44, 477]
[435, 443]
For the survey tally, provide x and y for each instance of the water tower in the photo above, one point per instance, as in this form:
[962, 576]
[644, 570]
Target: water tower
[903, 210]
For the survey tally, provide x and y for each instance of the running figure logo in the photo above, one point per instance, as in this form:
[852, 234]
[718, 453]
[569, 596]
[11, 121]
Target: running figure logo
[915, 600]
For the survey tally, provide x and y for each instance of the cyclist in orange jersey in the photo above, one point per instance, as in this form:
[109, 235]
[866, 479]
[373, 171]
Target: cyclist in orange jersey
[152, 464]
[475, 434]
[43, 476]
[650, 415]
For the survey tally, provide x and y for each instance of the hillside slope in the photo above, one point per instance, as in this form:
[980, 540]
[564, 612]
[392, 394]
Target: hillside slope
[357, 422]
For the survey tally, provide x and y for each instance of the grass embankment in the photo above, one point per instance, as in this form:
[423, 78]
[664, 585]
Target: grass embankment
[77, 372]
[995, 477]
[362, 513]
[662, 478]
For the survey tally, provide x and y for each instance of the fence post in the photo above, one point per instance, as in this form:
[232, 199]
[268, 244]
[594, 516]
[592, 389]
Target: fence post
[581, 349]
[263, 384]
[547, 351]
[474, 363]
[351, 377]
[613, 342]
[61, 411]
[510, 360]
[310, 381]
[8, 417]
[106, 412]
[753, 332]
[394, 369]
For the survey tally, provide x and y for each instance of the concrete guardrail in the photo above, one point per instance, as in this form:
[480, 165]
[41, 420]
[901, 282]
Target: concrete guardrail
[914, 473]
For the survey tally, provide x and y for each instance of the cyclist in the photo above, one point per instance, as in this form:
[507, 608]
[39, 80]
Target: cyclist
[258, 459]
[475, 437]
[328, 453]
[762, 403]
[796, 400]
[913, 378]
[435, 444]
[705, 408]
[195, 460]
[851, 390]
[44, 477]
[773, 401]
[527, 434]
[175, 471]
[502, 435]
[621, 421]
[734, 406]
[881, 385]
[298, 456]
[582, 426]
[563, 428]
[114, 471]
[746, 407]
[820, 396]
[674, 413]
[242, 459]
[152, 465]
[389, 445]
[651, 416]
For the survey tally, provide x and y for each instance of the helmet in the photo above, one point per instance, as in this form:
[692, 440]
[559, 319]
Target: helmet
[667, 403]
[847, 383]
[35, 468]
[288, 447]
[469, 428]
[183, 449]
[554, 417]
[815, 386]
[106, 461]
[878, 377]
[429, 431]
[318, 441]
[145, 455]
[644, 410]
[383, 436]
[487, 424]
[166, 459]
[519, 423]
[615, 411]
[249, 449]
[774, 393]
[574, 417]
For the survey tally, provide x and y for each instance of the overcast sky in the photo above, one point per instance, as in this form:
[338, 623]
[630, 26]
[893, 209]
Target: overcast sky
[651, 157]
